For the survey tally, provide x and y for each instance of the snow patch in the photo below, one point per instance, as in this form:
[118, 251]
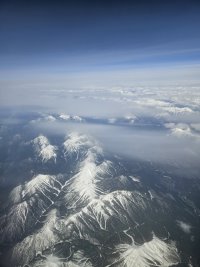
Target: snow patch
[135, 179]
[185, 227]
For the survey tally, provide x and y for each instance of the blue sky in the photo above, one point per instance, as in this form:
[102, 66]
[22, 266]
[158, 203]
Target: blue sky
[63, 37]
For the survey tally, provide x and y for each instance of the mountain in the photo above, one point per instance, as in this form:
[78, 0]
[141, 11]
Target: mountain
[77, 204]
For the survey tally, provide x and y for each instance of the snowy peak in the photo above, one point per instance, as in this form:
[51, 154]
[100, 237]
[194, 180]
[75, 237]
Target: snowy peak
[25, 250]
[76, 144]
[30, 202]
[44, 149]
[84, 186]
[153, 253]
[67, 117]
[41, 184]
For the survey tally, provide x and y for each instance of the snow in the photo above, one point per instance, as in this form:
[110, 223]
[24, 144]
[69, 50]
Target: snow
[15, 195]
[76, 142]
[135, 179]
[77, 118]
[65, 117]
[45, 237]
[83, 187]
[14, 222]
[44, 149]
[153, 253]
[185, 227]
[40, 183]
[105, 211]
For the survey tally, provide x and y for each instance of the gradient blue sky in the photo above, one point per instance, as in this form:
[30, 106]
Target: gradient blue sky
[56, 38]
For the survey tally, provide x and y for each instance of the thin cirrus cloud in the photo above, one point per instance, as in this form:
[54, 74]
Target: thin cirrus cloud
[64, 38]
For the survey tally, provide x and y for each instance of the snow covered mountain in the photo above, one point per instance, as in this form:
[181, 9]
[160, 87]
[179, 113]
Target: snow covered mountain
[80, 205]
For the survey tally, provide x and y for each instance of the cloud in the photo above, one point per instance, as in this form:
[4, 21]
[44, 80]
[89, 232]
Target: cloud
[195, 126]
[141, 143]
[149, 123]
[183, 130]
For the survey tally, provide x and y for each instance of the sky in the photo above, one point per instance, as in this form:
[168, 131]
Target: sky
[58, 42]
[107, 59]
